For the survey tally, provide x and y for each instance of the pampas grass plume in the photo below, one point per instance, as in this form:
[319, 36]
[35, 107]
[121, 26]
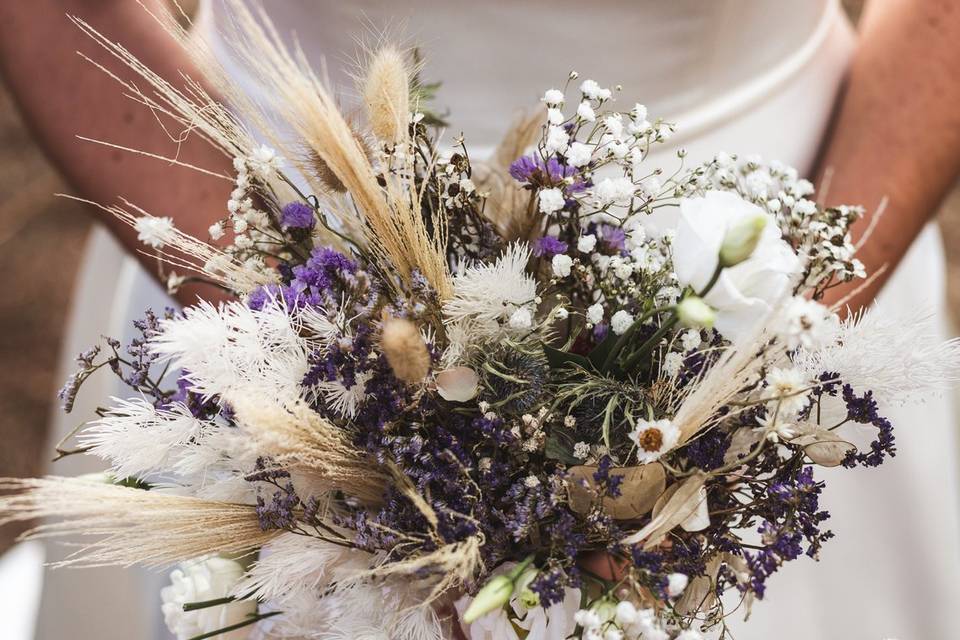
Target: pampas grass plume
[386, 92]
[405, 350]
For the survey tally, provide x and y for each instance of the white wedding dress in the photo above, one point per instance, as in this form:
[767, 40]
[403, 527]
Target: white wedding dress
[743, 76]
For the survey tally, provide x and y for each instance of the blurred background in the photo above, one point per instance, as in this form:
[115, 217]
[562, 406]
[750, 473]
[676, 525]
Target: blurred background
[42, 242]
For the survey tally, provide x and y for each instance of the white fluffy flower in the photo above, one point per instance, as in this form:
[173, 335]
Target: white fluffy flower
[672, 363]
[614, 125]
[579, 154]
[806, 323]
[676, 583]
[595, 313]
[488, 294]
[617, 190]
[789, 391]
[690, 340]
[744, 294]
[587, 243]
[205, 579]
[554, 116]
[561, 265]
[557, 140]
[521, 319]
[585, 111]
[594, 91]
[264, 161]
[215, 231]
[653, 439]
[581, 450]
[551, 200]
[154, 231]
[552, 96]
[620, 322]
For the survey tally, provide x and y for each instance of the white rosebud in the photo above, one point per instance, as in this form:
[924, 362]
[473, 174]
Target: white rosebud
[676, 583]
[205, 579]
[742, 238]
[521, 319]
[587, 243]
[458, 384]
[551, 200]
[553, 96]
[492, 596]
[620, 322]
[694, 312]
[561, 265]
[595, 313]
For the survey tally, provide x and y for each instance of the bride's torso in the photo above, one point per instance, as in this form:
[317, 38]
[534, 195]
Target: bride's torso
[690, 61]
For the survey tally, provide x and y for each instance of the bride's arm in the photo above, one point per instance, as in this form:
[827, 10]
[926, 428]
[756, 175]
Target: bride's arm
[897, 134]
[62, 96]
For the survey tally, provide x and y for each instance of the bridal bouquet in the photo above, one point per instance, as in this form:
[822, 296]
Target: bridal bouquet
[555, 394]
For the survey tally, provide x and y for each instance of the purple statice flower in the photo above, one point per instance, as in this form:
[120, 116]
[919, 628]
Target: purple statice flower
[863, 410]
[548, 246]
[536, 172]
[280, 512]
[613, 237]
[297, 215]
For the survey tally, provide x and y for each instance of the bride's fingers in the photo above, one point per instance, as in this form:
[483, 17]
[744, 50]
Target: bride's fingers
[603, 565]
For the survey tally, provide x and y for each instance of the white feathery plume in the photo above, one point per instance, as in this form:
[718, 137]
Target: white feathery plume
[231, 349]
[489, 293]
[899, 359]
[138, 439]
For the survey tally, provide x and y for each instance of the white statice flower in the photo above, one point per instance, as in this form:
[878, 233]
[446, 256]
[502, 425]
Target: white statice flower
[594, 91]
[215, 231]
[806, 323]
[620, 322]
[653, 439]
[561, 264]
[552, 97]
[585, 111]
[203, 579]
[265, 162]
[900, 358]
[551, 200]
[137, 439]
[555, 622]
[521, 319]
[557, 140]
[488, 294]
[581, 450]
[672, 363]
[744, 294]
[789, 390]
[233, 349]
[617, 190]
[154, 231]
[595, 313]
[579, 154]
[587, 243]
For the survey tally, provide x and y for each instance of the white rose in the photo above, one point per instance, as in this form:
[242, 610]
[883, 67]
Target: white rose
[205, 579]
[743, 294]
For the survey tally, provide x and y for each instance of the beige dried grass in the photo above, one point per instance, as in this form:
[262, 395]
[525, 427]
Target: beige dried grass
[405, 350]
[386, 94]
[134, 526]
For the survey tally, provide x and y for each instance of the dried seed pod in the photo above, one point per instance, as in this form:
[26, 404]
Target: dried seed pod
[405, 350]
